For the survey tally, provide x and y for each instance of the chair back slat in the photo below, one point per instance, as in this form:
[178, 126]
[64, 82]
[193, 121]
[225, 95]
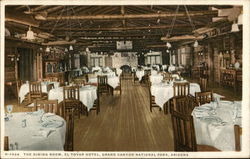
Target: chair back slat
[183, 128]
[102, 80]
[35, 88]
[71, 93]
[181, 89]
[49, 106]
[204, 97]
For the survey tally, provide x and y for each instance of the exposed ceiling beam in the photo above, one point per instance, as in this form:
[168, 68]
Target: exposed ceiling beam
[21, 18]
[135, 16]
[120, 28]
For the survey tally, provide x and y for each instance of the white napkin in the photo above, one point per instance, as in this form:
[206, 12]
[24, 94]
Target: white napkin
[199, 114]
[53, 124]
[44, 133]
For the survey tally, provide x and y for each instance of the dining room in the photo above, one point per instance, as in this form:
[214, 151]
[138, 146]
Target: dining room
[125, 78]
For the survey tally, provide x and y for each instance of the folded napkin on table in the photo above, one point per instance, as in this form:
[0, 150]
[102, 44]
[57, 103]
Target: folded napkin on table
[53, 124]
[199, 114]
[43, 133]
[38, 112]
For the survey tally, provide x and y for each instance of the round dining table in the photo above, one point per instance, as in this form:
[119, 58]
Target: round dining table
[24, 89]
[36, 131]
[139, 74]
[113, 81]
[88, 95]
[214, 124]
[165, 91]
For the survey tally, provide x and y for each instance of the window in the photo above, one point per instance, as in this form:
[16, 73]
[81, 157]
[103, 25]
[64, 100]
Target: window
[154, 59]
[96, 61]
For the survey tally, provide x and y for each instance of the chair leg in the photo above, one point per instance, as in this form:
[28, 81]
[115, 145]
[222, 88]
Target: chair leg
[87, 113]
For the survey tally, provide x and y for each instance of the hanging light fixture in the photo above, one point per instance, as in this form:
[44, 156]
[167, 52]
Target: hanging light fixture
[172, 26]
[66, 50]
[168, 45]
[167, 51]
[47, 49]
[71, 47]
[30, 34]
[87, 49]
[235, 27]
[196, 44]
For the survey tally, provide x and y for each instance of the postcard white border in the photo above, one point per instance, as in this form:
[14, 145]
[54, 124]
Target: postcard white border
[246, 78]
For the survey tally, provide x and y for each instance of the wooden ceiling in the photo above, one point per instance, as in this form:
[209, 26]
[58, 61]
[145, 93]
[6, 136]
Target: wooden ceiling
[99, 27]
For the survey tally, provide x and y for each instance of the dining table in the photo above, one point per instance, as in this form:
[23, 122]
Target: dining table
[35, 131]
[109, 74]
[88, 95]
[164, 91]
[113, 81]
[214, 123]
[139, 74]
[156, 78]
[24, 89]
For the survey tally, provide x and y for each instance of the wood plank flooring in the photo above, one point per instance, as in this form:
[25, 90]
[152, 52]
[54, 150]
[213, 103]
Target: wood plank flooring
[124, 124]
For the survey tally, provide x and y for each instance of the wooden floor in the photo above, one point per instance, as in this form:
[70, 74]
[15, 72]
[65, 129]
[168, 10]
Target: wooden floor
[125, 122]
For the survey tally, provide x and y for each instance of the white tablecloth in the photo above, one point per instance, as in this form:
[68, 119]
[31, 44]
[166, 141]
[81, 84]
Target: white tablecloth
[139, 74]
[24, 89]
[109, 74]
[215, 126]
[171, 68]
[163, 92]
[153, 72]
[156, 78]
[26, 137]
[113, 81]
[87, 95]
[118, 71]
[97, 68]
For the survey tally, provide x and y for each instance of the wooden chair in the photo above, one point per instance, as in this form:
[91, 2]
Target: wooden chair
[71, 99]
[237, 135]
[152, 103]
[6, 143]
[181, 89]
[183, 127]
[69, 137]
[96, 105]
[50, 86]
[79, 82]
[103, 84]
[203, 84]
[35, 92]
[50, 106]
[19, 83]
[168, 79]
[166, 75]
[203, 97]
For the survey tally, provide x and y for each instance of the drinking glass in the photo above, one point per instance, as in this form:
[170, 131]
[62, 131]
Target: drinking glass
[9, 109]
